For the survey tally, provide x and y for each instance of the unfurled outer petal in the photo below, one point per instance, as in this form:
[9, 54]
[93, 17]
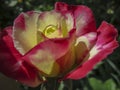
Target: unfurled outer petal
[45, 54]
[11, 63]
[84, 20]
[105, 45]
[25, 31]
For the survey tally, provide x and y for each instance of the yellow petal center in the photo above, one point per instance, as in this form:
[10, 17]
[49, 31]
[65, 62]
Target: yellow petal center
[52, 31]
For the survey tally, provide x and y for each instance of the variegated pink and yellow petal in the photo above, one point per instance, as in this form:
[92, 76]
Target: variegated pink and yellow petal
[84, 44]
[25, 26]
[67, 61]
[48, 18]
[62, 23]
[11, 63]
[84, 19]
[105, 45]
[45, 54]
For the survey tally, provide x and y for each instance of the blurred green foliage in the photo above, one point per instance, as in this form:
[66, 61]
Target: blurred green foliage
[99, 85]
[107, 76]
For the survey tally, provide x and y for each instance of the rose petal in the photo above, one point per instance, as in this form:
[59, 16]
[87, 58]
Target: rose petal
[107, 32]
[105, 45]
[11, 63]
[45, 54]
[67, 61]
[84, 19]
[25, 26]
[84, 44]
[48, 18]
[62, 23]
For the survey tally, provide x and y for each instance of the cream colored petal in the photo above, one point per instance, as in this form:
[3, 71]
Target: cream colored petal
[62, 23]
[25, 37]
[47, 65]
[48, 18]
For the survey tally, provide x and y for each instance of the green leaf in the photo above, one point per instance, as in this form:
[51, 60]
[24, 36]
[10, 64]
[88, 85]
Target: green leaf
[99, 85]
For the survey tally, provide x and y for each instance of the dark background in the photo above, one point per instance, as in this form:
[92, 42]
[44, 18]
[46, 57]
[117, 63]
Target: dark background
[106, 75]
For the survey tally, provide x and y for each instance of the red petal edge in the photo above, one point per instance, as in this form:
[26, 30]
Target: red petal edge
[11, 63]
[81, 13]
[56, 47]
[107, 43]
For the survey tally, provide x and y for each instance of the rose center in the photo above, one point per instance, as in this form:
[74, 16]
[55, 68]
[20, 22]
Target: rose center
[49, 30]
[52, 31]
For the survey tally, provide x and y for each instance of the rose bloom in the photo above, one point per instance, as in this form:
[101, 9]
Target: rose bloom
[63, 43]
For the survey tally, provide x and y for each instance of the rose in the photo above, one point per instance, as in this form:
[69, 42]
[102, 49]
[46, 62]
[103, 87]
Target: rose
[61, 43]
